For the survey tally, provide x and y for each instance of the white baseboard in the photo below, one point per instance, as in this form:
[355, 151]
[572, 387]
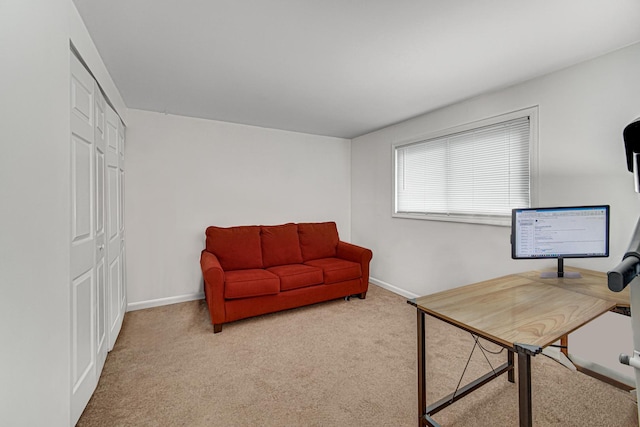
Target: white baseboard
[394, 289]
[164, 301]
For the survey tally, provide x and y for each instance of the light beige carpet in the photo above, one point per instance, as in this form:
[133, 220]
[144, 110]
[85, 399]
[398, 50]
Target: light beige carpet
[340, 363]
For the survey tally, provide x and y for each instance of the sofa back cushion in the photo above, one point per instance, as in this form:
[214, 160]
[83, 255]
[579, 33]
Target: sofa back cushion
[318, 240]
[237, 248]
[280, 245]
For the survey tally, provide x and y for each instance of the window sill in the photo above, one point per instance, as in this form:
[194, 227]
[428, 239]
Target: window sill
[502, 221]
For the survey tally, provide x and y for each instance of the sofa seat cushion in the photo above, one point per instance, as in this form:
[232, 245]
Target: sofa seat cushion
[280, 245]
[336, 269]
[296, 276]
[250, 283]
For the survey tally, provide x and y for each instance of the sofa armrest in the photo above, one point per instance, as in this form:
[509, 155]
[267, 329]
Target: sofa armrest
[354, 253]
[358, 254]
[213, 275]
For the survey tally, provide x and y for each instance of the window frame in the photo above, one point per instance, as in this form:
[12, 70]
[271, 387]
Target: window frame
[499, 220]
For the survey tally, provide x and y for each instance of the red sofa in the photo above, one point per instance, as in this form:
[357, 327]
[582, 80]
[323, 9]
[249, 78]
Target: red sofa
[254, 270]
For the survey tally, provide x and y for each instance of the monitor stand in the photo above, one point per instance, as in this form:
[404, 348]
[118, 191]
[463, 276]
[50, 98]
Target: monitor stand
[560, 272]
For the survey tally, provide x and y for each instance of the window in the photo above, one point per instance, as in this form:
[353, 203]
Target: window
[473, 173]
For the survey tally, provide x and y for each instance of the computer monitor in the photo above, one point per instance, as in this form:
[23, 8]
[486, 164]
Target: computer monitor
[562, 232]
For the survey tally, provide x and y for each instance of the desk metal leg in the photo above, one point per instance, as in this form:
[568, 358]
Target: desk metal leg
[564, 345]
[425, 412]
[510, 374]
[422, 387]
[524, 389]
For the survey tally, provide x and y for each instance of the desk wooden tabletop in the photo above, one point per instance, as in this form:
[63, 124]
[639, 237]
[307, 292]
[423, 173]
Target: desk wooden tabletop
[523, 308]
[593, 283]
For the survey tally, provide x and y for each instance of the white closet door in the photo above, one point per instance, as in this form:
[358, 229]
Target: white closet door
[84, 376]
[123, 259]
[101, 270]
[115, 227]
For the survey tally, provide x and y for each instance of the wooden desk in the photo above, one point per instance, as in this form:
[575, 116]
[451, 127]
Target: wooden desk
[520, 312]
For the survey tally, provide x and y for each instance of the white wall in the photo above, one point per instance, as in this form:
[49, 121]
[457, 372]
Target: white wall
[35, 209]
[582, 112]
[184, 174]
[34, 214]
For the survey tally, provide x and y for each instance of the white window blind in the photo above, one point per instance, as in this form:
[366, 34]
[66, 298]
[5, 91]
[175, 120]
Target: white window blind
[479, 172]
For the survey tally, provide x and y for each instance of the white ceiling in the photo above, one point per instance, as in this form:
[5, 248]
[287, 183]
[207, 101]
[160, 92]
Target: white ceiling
[340, 67]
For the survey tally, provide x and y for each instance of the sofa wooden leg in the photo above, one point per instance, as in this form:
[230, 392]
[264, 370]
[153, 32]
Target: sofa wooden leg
[362, 295]
[217, 327]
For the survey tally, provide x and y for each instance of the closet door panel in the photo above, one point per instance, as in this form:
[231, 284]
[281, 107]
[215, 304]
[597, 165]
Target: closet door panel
[123, 281]
[115, 224]
[83, 372]
[84, 376]
[114, 288]
[82, 237]
[101, 272]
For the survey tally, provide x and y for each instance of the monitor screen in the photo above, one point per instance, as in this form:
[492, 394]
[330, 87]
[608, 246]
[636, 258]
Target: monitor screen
[563, 232]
